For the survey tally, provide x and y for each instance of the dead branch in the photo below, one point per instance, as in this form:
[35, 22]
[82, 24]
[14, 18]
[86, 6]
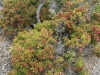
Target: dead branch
[38, 11]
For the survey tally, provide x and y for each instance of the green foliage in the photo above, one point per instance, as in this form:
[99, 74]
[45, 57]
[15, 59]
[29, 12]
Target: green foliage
[17, 14]
[97, 7]
[69, 56]
[79, 27]
[97, 50]
[13, 72]
[79, 65]
[84, 72]
[34, 53]
[44, 13]
[96, 18]
[20, 14]
[79, 36]
[96, 14]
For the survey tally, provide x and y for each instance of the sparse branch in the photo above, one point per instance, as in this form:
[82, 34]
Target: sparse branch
[38, 11]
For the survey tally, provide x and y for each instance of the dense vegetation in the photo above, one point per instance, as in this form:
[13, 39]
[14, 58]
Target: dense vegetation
[19, 14]
[34, 52]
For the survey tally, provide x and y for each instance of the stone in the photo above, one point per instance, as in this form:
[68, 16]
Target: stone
[5, 60]
[53, 7]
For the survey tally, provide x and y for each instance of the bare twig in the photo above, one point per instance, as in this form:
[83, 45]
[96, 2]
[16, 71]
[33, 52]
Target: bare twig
[38, 11]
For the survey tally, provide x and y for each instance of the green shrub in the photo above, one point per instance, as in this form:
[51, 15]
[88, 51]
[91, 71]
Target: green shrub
[97, 50]
[97, 7]
[21, 14]
[17, 14]
[96, 14]
[79, 65]
[84, 72]
[96, 18]
[34, 52]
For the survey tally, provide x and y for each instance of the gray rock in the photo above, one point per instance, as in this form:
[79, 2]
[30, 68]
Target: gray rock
[5, 60]
[60, 48]
[53, 7]
[91, 61]
[60, 27]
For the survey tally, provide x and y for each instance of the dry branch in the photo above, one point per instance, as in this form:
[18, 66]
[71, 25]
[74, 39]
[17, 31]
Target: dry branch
[38, 11]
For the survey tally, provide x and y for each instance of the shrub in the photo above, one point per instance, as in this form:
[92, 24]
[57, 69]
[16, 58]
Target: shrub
[84, 72]
[17, 14]
[20, 14]
[97, 50]
[44, 13]
[34, 52]
[97, 8]
[79, 65]
[96, 14]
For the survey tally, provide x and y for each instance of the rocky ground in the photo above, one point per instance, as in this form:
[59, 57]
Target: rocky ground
[91, 61]
[5, 61]
[93, 64]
